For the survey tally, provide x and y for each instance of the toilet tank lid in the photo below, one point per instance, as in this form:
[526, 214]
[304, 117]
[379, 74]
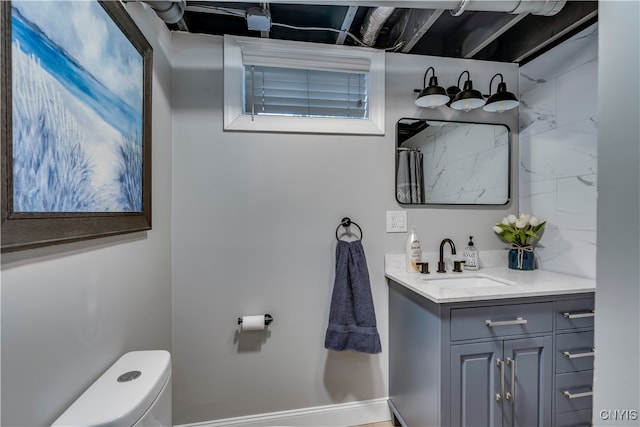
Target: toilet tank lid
[109, 402]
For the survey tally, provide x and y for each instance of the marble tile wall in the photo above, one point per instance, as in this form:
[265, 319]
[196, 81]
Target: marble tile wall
[558, 152]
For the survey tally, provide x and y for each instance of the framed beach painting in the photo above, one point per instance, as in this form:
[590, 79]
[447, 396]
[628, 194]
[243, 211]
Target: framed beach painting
[76, 123]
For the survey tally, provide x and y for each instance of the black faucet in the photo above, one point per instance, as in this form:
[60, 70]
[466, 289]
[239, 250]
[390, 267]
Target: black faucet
[441, 268]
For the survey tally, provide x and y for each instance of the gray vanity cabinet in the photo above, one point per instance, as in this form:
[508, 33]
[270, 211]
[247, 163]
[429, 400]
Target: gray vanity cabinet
[497, 363]
[502, 383]
[509, 386]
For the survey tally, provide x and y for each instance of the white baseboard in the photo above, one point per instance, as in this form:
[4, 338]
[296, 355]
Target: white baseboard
[339, 415]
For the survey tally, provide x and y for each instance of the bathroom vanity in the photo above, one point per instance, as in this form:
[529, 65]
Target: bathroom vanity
[494, 347]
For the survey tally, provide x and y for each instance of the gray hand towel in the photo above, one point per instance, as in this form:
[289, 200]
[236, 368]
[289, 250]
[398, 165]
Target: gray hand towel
[403, 178]
[352, 318]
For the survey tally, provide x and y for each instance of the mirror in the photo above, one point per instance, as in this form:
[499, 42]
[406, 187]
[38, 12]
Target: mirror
[441, 162]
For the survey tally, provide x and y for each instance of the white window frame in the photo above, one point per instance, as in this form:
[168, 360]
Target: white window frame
[289, 54]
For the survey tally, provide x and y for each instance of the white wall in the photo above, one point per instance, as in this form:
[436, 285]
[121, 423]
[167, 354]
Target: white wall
[558, 151]
[254, 220]
[69, 311]
[617, 340]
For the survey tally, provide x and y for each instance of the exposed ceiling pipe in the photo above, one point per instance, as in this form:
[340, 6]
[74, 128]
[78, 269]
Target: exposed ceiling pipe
[534, 7]
[170, 11]
[460, 9]
[544, 8]
[376, 17]
[373, 23]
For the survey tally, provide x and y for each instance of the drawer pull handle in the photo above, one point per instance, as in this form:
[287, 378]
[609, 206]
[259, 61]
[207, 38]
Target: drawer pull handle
[578, 355]
[579, 315]
[570, 395]
[518, 321]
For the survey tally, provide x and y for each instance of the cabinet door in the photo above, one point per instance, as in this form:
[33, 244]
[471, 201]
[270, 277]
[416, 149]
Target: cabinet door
[529, 363]
[475, 382]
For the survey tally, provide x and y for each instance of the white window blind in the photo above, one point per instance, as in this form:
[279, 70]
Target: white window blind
[286, 86]
[306, 93]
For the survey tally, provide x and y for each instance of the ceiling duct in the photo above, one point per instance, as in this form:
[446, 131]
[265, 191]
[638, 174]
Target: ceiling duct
[457, 8]
[169, 11]
[373, 23]
[544, 8]
[534, 7]
[377, 16]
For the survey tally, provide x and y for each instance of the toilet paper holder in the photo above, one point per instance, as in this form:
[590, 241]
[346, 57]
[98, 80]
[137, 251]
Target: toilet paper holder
[267, 320]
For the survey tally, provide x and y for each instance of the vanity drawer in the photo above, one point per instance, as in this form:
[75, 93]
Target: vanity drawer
[580, 418]
[574, 352]
[501, 320]
[574, 314]
[574, 391]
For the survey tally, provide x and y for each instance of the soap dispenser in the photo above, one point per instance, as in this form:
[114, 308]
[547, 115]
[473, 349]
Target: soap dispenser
[413, 252]
[470, 255]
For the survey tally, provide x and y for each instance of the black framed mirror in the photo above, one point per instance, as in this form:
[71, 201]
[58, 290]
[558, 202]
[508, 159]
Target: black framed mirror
[452, 163]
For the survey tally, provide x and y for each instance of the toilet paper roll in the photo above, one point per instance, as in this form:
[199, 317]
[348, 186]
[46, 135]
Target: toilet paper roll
[253, 323]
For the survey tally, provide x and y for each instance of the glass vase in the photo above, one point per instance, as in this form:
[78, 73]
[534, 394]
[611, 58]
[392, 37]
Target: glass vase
[522, 259]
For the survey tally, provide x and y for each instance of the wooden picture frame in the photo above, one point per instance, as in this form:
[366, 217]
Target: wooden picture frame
[85, 108]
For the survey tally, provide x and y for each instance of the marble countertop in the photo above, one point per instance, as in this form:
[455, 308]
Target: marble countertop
[519, 283]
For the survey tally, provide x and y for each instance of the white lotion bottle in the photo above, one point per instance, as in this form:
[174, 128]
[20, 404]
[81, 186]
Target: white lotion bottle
[413, 252]
[470, 255]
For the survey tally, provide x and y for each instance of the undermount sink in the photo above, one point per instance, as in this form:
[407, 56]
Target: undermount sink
[475, 281]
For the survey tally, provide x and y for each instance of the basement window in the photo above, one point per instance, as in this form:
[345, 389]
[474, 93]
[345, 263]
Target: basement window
[284, 86]
[304, 93]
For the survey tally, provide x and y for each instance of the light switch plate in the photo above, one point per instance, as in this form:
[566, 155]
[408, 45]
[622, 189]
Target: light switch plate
[396, 221]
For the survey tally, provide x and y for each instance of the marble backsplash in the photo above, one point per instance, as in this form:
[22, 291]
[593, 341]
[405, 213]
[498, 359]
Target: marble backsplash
[558, 152]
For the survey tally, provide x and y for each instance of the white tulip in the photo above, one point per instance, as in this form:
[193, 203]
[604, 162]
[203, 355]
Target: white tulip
[534, 221]
[497, 229]
[525, 217]
[505, 221]
[521, 223]
[512, 219]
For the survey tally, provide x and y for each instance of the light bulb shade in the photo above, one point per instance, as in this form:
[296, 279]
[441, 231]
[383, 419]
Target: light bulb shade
[432, 96]
[501, 101]
[468, 98]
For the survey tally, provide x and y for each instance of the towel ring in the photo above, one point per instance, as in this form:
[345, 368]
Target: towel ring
[346, 222]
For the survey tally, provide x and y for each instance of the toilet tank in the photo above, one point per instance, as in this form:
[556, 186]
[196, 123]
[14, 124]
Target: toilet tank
[134, 391]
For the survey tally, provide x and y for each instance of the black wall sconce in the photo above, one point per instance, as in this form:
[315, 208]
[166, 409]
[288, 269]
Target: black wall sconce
[502, 100]
[468, 98]
[431, 96]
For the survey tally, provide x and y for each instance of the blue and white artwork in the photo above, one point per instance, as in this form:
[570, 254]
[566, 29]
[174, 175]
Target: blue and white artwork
[77, 93]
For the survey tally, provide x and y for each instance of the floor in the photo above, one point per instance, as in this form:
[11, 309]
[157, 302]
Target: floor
[382, 424]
